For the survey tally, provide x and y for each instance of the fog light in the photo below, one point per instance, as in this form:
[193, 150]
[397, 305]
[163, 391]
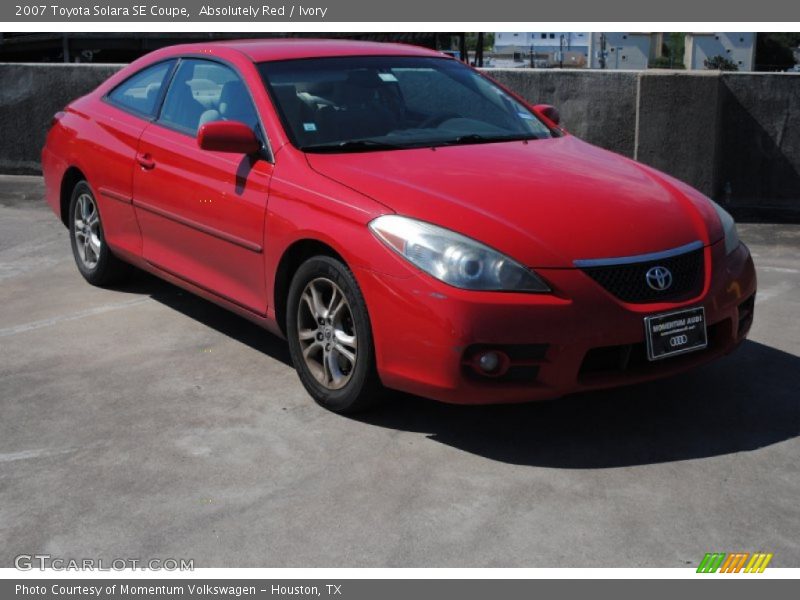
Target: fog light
[489, 362]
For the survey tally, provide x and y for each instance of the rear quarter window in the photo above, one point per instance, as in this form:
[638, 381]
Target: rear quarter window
[141, 91]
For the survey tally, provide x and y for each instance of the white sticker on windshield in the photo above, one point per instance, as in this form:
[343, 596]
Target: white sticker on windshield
[523, 115]
[310, 126]
[387, 77]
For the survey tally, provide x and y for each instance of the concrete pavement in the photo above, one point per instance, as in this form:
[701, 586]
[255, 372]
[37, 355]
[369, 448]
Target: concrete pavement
[143, 422]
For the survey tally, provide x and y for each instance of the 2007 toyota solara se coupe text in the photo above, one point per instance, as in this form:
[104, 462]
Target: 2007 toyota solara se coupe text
[400, 218]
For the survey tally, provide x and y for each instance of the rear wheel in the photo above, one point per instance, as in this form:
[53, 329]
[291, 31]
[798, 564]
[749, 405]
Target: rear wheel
[92, 256]
[330, 338]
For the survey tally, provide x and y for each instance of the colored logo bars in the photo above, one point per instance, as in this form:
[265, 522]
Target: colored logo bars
[735, 562]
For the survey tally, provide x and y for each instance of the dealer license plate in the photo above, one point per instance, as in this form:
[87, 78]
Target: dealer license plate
[676, 332]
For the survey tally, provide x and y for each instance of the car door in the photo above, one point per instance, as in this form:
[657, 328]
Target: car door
[109, 150]
[202, 213]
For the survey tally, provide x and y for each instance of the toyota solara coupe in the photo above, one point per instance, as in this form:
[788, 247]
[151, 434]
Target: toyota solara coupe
[401, 219]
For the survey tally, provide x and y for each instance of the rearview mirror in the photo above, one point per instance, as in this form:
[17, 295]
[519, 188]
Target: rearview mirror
[228, 136]
[548, 111]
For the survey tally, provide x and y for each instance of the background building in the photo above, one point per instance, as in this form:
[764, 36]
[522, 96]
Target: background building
[123, 47]
[601, 50]
[623, 50]
[739, 48]
[544, 49]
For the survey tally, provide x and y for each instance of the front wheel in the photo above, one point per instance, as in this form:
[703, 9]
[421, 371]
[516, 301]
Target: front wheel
[92, 255]
[330, 338]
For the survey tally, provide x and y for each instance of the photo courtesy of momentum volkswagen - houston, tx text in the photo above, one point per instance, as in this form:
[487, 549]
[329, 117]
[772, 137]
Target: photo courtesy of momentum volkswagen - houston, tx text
[401, 219]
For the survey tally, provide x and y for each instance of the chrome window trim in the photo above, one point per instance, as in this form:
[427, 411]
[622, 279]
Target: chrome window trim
[639, 258]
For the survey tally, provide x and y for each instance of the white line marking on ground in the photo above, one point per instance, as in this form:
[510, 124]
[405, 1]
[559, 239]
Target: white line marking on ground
[778, 270]
[38, 453]
[25, 327]
[768, 293]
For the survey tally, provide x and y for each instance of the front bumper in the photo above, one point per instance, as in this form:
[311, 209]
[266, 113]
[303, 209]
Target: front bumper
[579, 338]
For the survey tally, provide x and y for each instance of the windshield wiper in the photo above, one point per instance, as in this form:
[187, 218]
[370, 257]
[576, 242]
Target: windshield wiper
[352, 146]
[477, 138]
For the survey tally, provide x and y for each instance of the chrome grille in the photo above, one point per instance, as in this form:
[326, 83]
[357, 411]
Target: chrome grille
[627, 280]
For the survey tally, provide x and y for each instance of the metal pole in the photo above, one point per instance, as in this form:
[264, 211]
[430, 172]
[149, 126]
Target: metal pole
[602, 50]
[65, 46]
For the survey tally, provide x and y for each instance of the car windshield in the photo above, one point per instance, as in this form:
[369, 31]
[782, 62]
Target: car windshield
[369, 103]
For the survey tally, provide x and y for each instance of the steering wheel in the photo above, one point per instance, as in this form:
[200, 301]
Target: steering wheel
[438, 119]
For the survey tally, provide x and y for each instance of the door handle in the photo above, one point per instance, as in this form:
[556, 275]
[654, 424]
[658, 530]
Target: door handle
[145, 161]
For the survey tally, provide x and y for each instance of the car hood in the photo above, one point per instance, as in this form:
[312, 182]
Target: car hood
[545, 203]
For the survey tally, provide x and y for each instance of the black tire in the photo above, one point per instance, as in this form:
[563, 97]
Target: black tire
[103, 269]
[362, 388]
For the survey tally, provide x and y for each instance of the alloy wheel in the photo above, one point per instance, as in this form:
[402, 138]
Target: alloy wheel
[87, 231]
[327, 334]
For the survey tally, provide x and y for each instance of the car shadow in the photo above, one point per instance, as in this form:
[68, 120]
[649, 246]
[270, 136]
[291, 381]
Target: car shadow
[209, 314]
[742, 402]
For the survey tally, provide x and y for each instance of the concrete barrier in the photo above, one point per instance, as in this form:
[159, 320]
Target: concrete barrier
[30, 94]
[734, 136]
[677, 118]
[759, 139]
[597, 106]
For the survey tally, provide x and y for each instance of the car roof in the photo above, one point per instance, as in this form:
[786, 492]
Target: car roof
[261, 50]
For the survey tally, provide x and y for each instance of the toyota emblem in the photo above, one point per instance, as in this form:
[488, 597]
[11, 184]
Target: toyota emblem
[659, 278]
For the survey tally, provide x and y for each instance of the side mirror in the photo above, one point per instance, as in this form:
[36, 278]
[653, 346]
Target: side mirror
[548, 111]
[228, 136]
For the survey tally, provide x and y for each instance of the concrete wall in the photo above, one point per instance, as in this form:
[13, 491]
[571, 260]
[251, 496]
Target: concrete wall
[598, 106]
[734, 136]
[677, 118]
[30, 94]
[759, 137]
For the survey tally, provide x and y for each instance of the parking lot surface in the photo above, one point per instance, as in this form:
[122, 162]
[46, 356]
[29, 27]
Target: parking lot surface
[143, 422]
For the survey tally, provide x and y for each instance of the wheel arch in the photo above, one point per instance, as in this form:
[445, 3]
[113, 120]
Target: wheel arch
[69, 180]
[291, 259]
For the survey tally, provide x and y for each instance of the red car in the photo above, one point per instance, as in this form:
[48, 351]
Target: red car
[400, 218]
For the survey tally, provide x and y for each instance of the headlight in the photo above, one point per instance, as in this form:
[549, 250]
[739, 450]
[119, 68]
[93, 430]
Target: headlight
[729, 227]
[453, 258]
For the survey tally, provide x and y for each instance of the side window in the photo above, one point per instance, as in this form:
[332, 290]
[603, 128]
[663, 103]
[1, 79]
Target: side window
[140, 92]
[203, 91]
